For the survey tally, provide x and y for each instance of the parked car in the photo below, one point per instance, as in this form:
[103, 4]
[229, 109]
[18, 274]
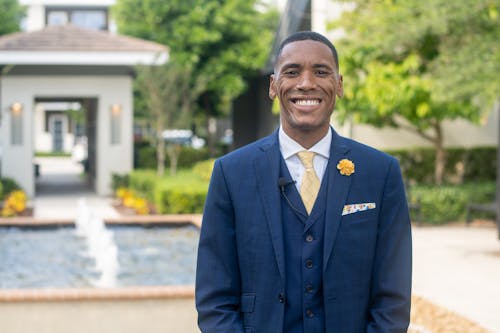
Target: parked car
[184, 137]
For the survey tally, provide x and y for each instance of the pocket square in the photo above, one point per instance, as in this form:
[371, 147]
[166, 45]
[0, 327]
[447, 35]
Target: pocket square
[354, 208]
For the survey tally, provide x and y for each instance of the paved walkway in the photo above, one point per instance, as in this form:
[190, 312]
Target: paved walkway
[454, 266]
[59, 187]
[459, 268]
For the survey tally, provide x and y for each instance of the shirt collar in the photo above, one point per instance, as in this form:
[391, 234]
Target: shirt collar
[290, 147]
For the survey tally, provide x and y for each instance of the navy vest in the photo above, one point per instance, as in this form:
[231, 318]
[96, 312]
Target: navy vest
[303, 237]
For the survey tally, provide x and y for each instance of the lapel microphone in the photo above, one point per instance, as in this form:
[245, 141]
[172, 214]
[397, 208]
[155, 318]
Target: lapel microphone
[282, 183]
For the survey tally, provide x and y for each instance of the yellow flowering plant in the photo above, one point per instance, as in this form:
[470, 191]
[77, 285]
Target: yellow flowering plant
[14, 204]
[131, 200]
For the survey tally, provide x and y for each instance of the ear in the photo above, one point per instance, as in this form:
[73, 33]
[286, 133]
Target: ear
[340, 86]
[272, 88]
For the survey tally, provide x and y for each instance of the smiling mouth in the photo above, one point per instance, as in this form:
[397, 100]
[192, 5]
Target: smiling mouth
[306, 102]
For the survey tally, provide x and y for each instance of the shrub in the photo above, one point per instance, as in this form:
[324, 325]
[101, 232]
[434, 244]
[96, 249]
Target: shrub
[462, 164]
[145, 156]
[1, 190]
[9, 185]
[204, 169]
[119, 181]
[190, 156]
[14, 204]
[184, 193]
[180, 200]
[144, 183]
[131, 200]
[447, 203]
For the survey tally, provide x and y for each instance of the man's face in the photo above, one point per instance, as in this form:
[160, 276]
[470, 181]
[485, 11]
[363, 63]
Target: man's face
[307, 82]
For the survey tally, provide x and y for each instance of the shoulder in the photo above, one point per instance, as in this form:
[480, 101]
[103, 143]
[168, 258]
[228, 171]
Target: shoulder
[369, 161]
[365, 151]
[249, 152]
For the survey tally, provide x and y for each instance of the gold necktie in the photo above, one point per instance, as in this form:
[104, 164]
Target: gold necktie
[310, 182]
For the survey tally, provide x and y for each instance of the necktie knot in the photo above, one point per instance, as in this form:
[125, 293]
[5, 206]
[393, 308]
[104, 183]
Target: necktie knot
[306, 157]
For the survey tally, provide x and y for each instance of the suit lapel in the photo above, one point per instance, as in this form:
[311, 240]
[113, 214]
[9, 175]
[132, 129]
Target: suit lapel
[267, 173]
[337, 191]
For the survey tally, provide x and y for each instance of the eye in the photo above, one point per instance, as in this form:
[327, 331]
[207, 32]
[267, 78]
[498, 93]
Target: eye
[291, 72]
[322, 73]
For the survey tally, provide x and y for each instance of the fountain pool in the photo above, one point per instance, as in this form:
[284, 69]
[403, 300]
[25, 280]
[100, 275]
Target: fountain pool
[32, 257]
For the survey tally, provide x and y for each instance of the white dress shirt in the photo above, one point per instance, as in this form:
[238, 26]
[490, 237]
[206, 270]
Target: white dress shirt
[289, 149]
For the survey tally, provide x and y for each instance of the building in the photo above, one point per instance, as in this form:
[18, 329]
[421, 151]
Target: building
[68, 76]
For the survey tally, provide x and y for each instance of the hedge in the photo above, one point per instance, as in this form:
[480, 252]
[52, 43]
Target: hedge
[7, 185]
[186, 192]
[448, 203]
[144, 182]
[145, 156]
[462, 164]
[183, 193]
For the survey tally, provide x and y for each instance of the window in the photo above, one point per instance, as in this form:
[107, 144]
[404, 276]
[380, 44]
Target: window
[57, 18]
[88, 18]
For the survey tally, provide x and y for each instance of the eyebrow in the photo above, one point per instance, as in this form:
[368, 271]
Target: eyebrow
[291, 65]
[295, 65]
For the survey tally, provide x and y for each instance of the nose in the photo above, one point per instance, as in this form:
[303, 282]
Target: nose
[307, 81]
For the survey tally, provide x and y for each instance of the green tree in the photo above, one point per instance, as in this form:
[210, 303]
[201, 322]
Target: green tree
[165, 94]
[10, 16]
[413, 64]
[222, 42]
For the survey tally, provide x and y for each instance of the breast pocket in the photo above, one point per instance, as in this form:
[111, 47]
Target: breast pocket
[366, 218]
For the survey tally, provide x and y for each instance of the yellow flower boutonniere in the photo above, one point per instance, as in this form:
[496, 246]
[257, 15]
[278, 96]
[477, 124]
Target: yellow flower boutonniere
[346, 167]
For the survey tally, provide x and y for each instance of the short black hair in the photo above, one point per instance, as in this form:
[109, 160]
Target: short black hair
[309, 35]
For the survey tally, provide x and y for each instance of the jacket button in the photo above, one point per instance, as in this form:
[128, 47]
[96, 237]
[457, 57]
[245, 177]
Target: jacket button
[281, 298]
[309, 263]
[309, 238]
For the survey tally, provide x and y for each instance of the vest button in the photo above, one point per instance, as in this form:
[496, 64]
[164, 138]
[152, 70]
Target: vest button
[309, 263]
[309, 238]
[281, 298]
[309, 288]
[309, 313]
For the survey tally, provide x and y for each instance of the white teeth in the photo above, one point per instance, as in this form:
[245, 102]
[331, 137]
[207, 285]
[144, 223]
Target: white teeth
[307, 102]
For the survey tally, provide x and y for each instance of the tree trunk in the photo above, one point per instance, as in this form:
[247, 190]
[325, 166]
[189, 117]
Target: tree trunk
[211, 126]
[211, 134]
[440, 163]
[173, 151]
[160, 150]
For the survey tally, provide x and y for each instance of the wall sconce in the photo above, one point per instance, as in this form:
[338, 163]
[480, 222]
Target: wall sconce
[16, 123]
[16, 108]
[116, 120]
[116, 109]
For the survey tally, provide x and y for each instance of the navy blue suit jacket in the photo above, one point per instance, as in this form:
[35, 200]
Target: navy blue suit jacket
[240, 277]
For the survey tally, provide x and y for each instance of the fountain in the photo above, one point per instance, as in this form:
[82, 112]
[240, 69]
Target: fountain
[101, 246]
[89, 253]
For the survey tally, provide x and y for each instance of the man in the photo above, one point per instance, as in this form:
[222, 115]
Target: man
[305, 231]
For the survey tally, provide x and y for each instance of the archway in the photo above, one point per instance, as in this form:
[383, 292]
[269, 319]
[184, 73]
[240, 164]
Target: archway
[64, 135]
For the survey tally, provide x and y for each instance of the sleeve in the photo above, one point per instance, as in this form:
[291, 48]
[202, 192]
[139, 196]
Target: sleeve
[390, 296]
[217, 289]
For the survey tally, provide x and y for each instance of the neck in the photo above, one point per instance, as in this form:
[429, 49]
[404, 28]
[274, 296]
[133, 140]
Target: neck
[305, 138]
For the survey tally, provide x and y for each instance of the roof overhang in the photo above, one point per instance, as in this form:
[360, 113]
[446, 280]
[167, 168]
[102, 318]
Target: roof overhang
[100, 58]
